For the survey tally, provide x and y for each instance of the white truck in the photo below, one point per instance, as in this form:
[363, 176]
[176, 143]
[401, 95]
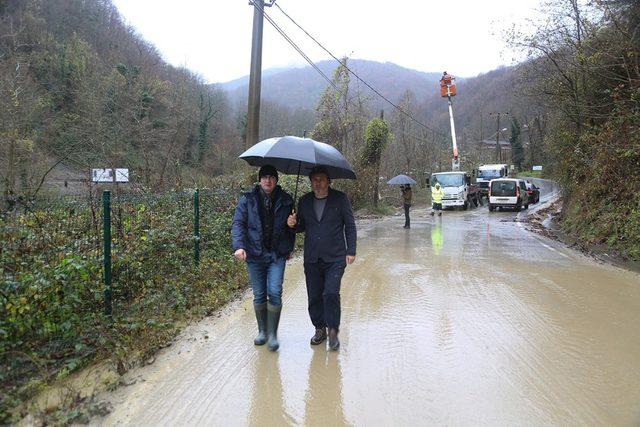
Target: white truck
[458, 189]
[486, 173]
[457, 186]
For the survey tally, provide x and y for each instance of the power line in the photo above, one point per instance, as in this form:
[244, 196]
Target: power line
[306, 57]
[294, 45]
[352, 72]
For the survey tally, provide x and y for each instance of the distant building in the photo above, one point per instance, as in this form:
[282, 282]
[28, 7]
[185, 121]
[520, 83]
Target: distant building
[487, 151]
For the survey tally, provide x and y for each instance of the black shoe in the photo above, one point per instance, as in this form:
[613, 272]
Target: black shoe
[319, 336]
[334, 342]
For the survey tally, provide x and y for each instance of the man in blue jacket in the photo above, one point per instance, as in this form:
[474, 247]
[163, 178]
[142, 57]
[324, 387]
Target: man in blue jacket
[260, 237]
[326, 218]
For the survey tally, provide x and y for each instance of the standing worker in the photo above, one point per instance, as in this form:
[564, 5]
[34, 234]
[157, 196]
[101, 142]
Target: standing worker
[326, 218]
[407, 196]
[436, 198]
[260, 237]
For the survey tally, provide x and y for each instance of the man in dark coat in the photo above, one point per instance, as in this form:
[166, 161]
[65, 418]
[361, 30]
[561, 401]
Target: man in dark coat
[326, 218]
[260, 237]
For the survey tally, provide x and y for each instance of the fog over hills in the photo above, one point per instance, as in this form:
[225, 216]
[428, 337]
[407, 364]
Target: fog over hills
[301, 88]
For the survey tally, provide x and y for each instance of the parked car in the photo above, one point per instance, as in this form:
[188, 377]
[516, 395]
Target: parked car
[508, 193]
[533, 192]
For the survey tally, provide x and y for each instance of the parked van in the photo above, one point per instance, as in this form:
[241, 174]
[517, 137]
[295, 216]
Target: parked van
[508, 193]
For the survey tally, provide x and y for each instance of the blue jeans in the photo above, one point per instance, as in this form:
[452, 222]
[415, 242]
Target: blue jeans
[266, 279]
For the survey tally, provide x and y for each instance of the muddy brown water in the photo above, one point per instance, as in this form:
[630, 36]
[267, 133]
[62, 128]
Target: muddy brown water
[468, 319]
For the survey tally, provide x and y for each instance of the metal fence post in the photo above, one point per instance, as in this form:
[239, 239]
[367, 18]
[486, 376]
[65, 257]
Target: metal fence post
[196, 227]
[106, 207]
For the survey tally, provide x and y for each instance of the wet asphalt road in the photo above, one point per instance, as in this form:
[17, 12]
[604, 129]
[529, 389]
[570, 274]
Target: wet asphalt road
[468, 319]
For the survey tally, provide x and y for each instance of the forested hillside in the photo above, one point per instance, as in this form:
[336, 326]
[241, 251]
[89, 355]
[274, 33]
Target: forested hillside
[80, 87]
[583, 81]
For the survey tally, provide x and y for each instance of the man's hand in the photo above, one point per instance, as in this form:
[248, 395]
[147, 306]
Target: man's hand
[292, 220]
[351, 259]
[240, 254]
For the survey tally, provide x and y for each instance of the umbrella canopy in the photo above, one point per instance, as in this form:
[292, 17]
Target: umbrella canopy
[401, 180]
[294, 155]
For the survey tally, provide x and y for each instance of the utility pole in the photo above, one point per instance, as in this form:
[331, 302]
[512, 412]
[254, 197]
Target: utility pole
[498, 151]
[481, 124]
[255, 75]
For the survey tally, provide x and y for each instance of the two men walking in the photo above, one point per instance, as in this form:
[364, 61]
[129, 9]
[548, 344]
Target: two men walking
[263, 235]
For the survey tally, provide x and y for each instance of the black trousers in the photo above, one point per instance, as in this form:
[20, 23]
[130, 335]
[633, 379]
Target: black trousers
[407, 221]
[323, 290]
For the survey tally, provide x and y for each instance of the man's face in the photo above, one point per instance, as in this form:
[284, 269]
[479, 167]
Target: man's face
[268, 183]
[320, 184]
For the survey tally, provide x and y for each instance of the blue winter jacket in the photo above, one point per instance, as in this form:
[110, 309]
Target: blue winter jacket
[246, 231]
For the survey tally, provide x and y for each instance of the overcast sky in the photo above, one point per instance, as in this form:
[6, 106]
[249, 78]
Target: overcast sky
[213, 37]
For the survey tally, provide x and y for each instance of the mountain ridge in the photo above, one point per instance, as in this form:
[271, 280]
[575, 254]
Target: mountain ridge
[302, 87]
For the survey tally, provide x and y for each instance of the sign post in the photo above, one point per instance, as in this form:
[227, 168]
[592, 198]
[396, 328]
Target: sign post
[114, 176]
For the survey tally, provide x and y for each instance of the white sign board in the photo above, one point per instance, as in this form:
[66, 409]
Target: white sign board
[102, 175]
[537, 168]
[107, 175]
[122, 175]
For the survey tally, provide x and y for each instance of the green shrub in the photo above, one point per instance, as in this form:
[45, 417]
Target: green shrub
[52, 318]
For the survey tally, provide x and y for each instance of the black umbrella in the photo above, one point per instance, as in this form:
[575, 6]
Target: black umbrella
[295, 155]
[401, 180]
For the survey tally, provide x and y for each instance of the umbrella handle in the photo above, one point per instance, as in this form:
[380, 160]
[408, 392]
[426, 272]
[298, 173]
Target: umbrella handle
[295, 194]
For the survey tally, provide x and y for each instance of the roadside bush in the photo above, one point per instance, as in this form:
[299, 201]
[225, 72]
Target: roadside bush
[52, 318]
[602, 175]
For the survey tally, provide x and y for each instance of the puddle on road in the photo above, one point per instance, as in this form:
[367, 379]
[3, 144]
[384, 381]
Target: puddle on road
[441, 324]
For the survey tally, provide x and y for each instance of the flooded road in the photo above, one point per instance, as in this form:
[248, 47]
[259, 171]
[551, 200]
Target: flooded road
[468, 319]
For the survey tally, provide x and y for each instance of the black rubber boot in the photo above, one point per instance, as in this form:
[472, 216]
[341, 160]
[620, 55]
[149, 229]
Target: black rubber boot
[261, 317]
[273, 319]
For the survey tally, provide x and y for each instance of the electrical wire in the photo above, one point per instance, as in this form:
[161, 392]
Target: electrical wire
[295, 46]
[401, 110]
[306, 57]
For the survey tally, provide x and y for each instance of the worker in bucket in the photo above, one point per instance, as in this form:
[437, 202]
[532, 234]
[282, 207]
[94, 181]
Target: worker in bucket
[436, 199]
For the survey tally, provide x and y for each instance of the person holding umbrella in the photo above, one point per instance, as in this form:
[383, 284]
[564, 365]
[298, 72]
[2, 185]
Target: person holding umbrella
[326, 218]
[407, 196]
[260, 237]
[405, 183]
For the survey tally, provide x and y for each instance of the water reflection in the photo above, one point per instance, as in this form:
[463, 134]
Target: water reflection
[437, 240]
[324, 395]
[267, 405]
[406, 247]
